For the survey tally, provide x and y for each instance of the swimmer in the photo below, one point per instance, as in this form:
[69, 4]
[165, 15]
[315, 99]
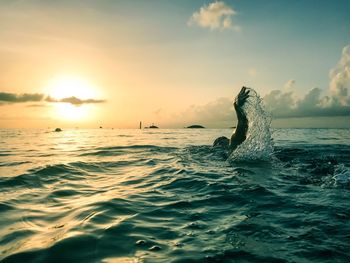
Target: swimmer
[240, 133]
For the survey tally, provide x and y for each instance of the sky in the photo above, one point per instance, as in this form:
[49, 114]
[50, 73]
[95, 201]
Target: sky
[115, 63]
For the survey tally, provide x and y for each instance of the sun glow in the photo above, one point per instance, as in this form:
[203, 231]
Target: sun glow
[67, 86]
[71, 112]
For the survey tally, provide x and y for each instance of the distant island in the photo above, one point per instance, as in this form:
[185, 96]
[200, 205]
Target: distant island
[196, 126]
[150, 127]
[58, 130]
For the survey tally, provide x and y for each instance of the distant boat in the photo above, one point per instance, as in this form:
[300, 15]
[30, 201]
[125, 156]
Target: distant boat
[196, 126]
[58, 130]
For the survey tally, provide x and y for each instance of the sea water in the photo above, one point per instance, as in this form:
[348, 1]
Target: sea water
[158, 195]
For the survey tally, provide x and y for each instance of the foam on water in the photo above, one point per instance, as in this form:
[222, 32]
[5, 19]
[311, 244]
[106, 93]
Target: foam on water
[341, 175]
[258, 144]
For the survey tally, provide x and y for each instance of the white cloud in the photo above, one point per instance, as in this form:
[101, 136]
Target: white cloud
[216, 15]
[285, 103]
[340, 79]
[289, 86]
[217, 113]
[280, 102]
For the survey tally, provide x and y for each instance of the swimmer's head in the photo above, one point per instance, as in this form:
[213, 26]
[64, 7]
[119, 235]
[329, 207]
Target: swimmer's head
[222, 141]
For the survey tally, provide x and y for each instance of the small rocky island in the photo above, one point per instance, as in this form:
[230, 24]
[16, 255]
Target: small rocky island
[151, 127]
[58, 130]
[196, 126]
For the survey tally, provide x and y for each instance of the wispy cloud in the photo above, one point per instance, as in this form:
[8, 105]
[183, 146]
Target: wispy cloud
[216, 15]
[74, 100]
[6, 97]
[37, 106]
[10, 98]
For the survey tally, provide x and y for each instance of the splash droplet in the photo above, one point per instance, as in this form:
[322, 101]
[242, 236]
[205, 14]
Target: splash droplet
[258, 144]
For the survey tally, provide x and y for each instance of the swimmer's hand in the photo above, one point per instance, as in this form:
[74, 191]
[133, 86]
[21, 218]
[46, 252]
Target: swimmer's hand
[240, 133]
[241, 97]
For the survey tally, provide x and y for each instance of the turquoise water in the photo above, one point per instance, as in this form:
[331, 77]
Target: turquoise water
[168, 196]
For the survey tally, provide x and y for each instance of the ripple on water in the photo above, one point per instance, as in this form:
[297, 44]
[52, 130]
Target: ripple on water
[148, 203]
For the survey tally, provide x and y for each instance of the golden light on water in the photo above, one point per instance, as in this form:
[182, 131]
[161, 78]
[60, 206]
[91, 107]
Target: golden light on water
[67, 86]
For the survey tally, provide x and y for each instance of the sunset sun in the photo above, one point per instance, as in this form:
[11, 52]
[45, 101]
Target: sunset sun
[67, 90]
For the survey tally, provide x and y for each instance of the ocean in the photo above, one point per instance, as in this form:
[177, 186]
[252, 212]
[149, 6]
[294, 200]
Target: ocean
[166, 195]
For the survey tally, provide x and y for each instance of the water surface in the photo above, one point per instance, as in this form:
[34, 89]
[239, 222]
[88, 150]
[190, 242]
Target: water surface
[168, 196]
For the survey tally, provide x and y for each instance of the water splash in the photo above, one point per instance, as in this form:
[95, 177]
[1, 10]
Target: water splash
[258, 144]
[341, 176]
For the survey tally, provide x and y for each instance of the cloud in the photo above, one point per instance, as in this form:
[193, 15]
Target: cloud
[73, 100]
[289, 85]
[286, 105]
[279, 102]
[18, 98]
[36, 106]
[336, 102]
[218, 113]
[284, 102]
[216, 15]
[340, 79]
[9, 98]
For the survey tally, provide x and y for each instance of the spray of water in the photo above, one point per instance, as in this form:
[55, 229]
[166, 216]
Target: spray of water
[341, 177]
[258, 144]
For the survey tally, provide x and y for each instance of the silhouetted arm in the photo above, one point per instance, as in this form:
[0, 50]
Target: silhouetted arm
[240, 133]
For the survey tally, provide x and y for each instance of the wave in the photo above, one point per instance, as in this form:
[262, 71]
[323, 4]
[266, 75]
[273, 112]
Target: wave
[156, 203]
[119, 150]
[14, 163]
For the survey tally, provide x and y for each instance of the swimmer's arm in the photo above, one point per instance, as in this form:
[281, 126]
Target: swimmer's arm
[240, 133]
